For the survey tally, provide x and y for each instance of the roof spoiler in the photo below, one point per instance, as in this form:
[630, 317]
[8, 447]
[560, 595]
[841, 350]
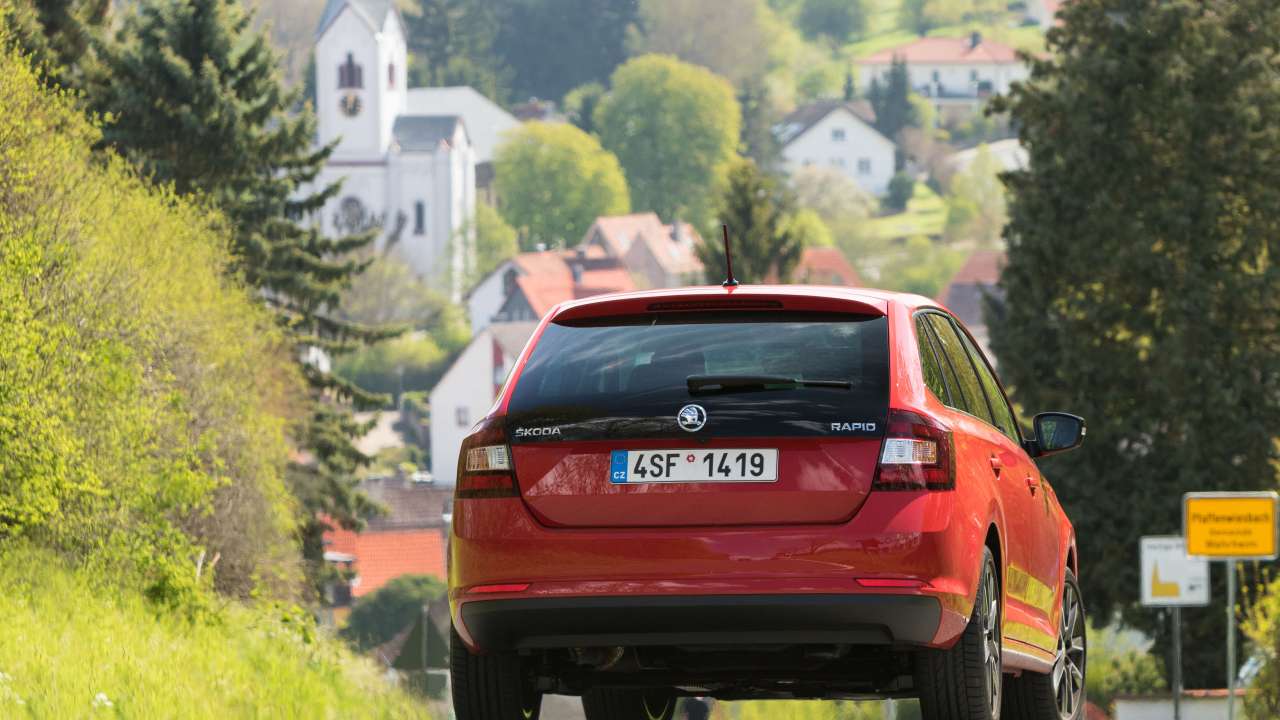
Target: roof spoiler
[716, 299]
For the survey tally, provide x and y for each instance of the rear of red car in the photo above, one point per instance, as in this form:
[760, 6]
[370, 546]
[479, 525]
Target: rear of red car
[670, 477]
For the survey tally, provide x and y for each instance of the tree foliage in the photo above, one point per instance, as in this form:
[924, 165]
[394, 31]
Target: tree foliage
[57, 34]
[554, 181]
[1141, 283]
[451, 42]
[757, 211]
[143, 392]
[196, 100]
[380, 615]
[839, 21]
[729, 37]
[673, 126]
[890, 97]
[976, 207]
[553, 46]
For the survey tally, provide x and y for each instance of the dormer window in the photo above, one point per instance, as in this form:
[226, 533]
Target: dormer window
[350, 75]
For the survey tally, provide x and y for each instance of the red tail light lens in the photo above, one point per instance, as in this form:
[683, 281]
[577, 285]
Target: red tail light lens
[484, 464]
[917, 454]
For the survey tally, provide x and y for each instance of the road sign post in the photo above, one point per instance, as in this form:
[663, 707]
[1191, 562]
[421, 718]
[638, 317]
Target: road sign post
[1231, 526]
[1173, 580]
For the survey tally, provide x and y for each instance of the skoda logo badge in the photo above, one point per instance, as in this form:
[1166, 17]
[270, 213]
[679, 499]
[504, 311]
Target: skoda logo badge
[691, 418]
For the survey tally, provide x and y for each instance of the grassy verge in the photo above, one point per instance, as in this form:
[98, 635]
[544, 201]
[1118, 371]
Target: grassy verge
[72, 646]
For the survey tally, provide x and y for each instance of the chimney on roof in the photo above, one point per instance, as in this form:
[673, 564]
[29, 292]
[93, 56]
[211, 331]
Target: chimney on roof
[975, 39]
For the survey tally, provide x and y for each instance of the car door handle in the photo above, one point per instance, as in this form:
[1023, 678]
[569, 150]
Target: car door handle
[1032, 484]
[996, 465]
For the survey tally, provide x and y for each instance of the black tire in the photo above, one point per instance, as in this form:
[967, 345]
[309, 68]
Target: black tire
[965, 682]
[490, 687]
[1037, 696]
[626, 704]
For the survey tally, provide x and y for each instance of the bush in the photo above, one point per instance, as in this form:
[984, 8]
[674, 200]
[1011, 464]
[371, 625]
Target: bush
[144, 398]
[378, 616]
[1120, 665]
[1262, 626]
[901, 187]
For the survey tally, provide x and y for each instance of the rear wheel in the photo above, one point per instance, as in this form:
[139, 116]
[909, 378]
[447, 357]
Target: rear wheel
[625, 704]
[965, 682]
[1058, 695]
[490, 687]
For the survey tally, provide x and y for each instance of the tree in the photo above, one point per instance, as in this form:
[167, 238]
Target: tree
[553, 46]
[839, 21]
[728, 37]
[495, 241]
[226, 131]
[891, 99]
[57, 34]
[673, 126]
[759, 116]
[554, 181]
[757, 210]
[580, 105]
[1141, 275]
[451, 42]
[843, 206]
[901, 187]
[380, 615]
[976, 202]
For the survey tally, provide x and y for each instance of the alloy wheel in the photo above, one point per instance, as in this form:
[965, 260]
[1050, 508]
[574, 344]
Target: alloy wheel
[1068, 666]
[991, 639]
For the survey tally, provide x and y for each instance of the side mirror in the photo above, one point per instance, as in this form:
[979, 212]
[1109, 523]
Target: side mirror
[1056, 432]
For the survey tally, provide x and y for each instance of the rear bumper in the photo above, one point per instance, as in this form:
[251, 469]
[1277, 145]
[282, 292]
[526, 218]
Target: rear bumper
[512, 624]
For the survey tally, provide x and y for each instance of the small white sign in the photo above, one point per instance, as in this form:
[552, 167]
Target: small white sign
[1169, 577]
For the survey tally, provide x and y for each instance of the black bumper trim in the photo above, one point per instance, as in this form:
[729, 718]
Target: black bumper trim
[510, 624]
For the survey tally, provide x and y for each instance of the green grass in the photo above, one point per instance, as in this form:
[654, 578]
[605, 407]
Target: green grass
[74, 647]
[926, 214]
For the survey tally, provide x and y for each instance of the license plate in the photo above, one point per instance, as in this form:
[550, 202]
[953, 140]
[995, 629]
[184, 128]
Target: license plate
[692, 466]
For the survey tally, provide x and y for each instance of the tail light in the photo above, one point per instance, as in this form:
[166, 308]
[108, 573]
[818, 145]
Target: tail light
[917, 454]
[484, 464]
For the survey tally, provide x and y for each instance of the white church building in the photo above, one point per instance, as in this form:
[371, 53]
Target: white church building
[407, 160]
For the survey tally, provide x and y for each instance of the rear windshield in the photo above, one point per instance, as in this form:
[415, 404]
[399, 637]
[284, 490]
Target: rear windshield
[636, 369]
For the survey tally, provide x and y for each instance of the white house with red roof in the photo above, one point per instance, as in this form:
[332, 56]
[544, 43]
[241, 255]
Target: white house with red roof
[960, 70]
[840, 135]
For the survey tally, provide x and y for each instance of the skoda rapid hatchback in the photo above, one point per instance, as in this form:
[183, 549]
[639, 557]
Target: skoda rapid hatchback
[761, 492]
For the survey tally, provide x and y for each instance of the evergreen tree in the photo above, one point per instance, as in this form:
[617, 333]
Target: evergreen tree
[1142, 276]
[756, 209]
[892, 100]
[554, 46]
[57, 34]
[196, 101]
[451, 43]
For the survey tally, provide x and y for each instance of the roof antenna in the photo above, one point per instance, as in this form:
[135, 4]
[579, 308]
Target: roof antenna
[730, 280]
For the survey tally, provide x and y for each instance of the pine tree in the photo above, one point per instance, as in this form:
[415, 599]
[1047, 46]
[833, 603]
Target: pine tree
[756, 209]
[197, 101]
[57, 34]
[1142, 276]
[892, 100]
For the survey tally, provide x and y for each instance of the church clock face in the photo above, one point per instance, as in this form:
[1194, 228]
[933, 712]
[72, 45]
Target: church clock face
[350, 104]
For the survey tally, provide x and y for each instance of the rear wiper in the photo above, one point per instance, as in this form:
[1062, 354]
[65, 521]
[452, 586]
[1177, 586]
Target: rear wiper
[728, 383]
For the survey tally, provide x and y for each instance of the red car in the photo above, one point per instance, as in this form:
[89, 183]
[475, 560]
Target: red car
[761, 492]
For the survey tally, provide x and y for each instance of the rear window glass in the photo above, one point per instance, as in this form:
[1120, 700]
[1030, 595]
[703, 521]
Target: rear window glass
[638, 367]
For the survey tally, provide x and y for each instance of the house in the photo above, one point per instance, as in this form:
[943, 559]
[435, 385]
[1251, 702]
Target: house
[408, 539]
[842, 135]
[965, 295]
[951, 71]
[525, 287]
[1008, 154]
[1044, 12]
[656, 255]
[825, 266]
[407, 166]
[466, 391]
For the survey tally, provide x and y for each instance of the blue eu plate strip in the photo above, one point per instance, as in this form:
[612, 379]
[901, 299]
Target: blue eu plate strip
[618, 467]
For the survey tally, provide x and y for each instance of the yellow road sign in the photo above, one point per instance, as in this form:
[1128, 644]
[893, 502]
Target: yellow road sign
[1230, 525]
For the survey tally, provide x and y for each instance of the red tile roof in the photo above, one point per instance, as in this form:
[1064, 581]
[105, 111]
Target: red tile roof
[946, 50]
[982, 267]
[382, 555]
[825, 266]
[619, 231]
[547, 278]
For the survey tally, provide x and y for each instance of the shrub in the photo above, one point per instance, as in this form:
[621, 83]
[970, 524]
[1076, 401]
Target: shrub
[378, 616]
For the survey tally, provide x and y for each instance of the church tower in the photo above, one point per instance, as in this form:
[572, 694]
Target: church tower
[361, 76]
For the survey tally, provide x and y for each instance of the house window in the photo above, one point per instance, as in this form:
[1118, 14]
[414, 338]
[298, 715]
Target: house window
[350, 75]
[973, 75]
[419, 218]
[463, 416]
[864, 166]
[391, 75]
[838, 162]
[937, 76]
[837, 135]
